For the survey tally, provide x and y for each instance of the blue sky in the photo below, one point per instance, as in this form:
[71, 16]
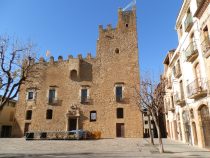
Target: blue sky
[71, 26]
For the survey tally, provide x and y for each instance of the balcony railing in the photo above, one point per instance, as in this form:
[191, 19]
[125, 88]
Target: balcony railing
[191, 52]
[188, 23]
[197, 89]
[86, 100]
[179, 98]
[53, 101]
[206, 47]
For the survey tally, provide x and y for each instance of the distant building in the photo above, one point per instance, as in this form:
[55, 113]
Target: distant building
[146, 126]
[187, 76]
[93, 94]
[7, 118]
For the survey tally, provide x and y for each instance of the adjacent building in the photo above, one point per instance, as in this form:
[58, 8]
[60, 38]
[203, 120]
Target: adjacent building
[7, 119]
[93, 94]
[187, 76]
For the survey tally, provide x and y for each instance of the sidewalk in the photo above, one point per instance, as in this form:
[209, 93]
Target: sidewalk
[109, 148]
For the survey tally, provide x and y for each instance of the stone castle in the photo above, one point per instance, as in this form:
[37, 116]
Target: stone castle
[94, 94]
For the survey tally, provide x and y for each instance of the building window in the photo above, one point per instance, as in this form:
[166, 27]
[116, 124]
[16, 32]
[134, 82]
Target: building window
[84, 95]
[28, 114]
[118, 93]
[30, 95]
[73, 75]
[93, 116]
[117, 51]
[120, 113]
[146, 122]
[52, 96]
[49, 114]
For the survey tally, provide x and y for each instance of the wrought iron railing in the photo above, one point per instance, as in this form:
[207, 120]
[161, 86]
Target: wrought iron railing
[198, 86]
[53, 101]
[178, 97]
[205, 45]
[191, 50]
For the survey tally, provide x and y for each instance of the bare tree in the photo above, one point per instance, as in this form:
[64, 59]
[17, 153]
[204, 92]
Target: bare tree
[148, 99]
[16, 62]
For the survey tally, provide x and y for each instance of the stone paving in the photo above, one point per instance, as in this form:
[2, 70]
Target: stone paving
[125, 148]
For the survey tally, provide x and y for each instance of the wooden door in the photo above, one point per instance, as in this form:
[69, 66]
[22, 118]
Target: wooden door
[27, 128]
[205, 118]
[72, 124]
[120, 130]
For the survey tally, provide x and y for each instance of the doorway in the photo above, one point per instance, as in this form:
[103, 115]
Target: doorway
[120, 130]
[72, 124]
[205, 120]
[27, 127]
[6, 131]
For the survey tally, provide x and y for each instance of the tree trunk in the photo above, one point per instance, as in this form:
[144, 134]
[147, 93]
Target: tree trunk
[150, 131]
[161, 150]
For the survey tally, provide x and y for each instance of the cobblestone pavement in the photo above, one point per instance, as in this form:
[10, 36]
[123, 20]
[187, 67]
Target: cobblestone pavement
[122, 148]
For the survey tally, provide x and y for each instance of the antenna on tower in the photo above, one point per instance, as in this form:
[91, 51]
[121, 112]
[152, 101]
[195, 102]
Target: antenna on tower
[130, 5]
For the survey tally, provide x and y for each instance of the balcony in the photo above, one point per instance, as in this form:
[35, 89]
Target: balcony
[177, 71]
[188, 23]
[179, 99]
[197, 89]
[191, 52]
[53, 101]
[122, 100]
[86, 101]
[206, 47]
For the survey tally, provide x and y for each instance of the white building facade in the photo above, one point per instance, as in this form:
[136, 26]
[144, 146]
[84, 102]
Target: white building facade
[187, 76]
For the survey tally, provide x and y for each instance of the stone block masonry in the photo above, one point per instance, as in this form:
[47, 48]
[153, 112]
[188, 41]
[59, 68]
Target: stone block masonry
[94, 94]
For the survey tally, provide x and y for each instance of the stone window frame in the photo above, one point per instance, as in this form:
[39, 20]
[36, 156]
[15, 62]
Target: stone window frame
[93, 119]
[120, 113]
[29, 114]
[49, 114]
[119, 84]
[33, 91]
[88, 92]
[48, 93]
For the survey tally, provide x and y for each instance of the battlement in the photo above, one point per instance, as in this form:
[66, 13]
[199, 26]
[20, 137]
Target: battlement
[126, 22]
[70, 57]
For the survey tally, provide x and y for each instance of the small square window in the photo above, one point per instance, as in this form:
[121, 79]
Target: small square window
[28, 115]
[93, 116]
[120, 113]
[146, 122]
[49, 114]
[30, 95]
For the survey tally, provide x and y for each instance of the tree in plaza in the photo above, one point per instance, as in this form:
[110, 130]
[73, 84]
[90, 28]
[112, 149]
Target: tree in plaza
[16, 62]
[150, 99]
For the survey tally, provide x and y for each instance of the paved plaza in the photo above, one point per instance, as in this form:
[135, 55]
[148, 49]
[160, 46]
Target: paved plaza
[125, 148]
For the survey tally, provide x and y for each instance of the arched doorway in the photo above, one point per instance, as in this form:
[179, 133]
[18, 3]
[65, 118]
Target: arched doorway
[195, 133]
[205, 123]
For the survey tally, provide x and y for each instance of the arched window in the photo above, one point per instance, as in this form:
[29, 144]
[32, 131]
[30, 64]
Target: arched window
[73, 75]
[28, 114]
[49, 114]
[120, 113]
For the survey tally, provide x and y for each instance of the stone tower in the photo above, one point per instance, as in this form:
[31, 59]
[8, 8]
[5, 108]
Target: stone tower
[101, 88]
